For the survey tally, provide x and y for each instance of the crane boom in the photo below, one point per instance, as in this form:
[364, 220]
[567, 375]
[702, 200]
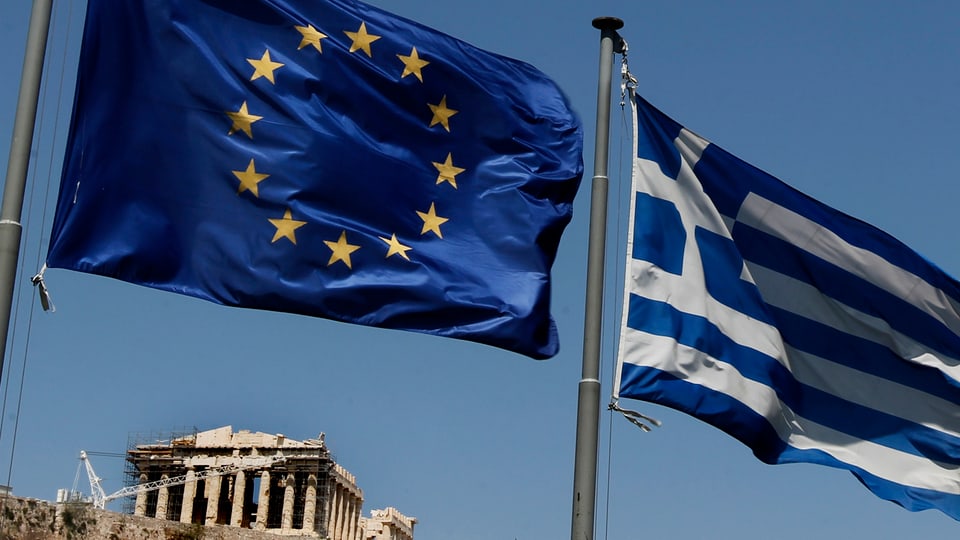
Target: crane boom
[100, 500]
[96, 489]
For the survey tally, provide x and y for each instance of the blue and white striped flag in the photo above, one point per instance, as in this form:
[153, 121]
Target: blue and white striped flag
[808, 335]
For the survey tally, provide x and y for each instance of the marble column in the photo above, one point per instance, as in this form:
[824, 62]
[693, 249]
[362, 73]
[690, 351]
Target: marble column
[162, 497]
[335, 513]
[213, 499]
[331, 509]
[239, 492]
[341, 512]
[354, 519]
[310, 503]
[347, 512]
[189, 492]
[263, 506]
[286, 515]
[140, 508]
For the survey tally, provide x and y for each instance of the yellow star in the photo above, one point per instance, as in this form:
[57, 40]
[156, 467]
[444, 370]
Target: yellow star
[396, 248]
[431, 221]
[361, 39]
[441, 114]
[412, 64]
[286, 227]
[249, 179]
[341, 250]
[264, 67]
[311, 36]
[448, 172]
[242, 120]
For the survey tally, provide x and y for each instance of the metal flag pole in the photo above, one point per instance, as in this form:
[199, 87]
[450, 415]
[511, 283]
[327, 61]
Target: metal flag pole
[588, 405]
[12, 209]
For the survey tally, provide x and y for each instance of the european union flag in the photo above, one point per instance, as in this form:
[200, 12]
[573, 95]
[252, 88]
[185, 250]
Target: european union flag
[320, 157]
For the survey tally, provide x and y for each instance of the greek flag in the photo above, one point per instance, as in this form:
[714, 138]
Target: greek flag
[808, 335]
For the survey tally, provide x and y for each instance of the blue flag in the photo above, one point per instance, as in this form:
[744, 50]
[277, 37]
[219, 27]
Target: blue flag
[320, 157]
[806, 334]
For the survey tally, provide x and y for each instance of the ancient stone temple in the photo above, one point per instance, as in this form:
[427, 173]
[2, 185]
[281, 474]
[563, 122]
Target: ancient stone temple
[251, 480]
[388, 524]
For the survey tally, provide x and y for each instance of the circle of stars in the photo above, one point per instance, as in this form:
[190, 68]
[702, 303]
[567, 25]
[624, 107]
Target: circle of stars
[249, 179]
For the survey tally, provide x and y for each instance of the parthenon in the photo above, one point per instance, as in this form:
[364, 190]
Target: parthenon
[255, 480]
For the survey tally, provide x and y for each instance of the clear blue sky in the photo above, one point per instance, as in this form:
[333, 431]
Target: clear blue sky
[853, 102]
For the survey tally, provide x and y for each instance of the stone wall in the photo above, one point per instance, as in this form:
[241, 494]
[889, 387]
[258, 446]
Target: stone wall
[31, 519]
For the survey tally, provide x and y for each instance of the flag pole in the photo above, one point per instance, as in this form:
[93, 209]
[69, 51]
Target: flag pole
[588, 405]
[19, 162]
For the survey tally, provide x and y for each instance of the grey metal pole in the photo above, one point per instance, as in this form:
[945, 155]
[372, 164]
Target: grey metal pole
[19, 163]
[588, 406]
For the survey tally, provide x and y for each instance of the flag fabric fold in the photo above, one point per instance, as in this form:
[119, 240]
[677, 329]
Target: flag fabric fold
[319, 157]
[808, 335]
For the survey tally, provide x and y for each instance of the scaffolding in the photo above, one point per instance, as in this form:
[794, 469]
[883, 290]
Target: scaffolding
[131, 475]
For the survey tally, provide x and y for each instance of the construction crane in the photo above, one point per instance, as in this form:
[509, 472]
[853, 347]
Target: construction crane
[100, 498]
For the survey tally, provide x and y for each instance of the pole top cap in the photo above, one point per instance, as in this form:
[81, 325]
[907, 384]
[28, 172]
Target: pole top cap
[607, 23]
